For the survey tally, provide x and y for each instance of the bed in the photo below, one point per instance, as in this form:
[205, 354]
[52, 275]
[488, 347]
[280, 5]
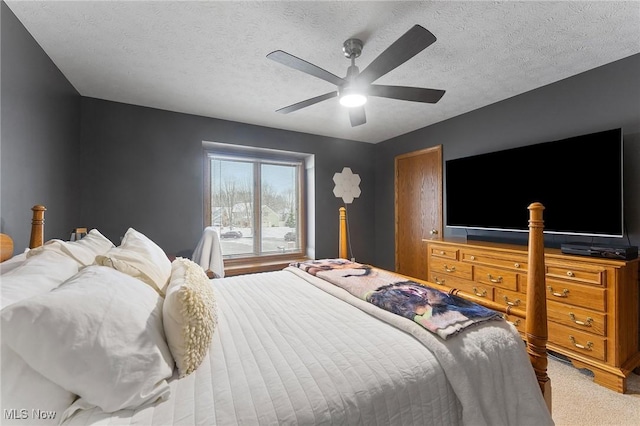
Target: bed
[120, 335]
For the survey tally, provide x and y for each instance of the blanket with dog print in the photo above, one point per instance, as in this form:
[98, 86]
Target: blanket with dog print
[439, 312]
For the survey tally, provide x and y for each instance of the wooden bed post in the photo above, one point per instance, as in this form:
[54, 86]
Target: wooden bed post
[342, 247]
[536, 325]
[6, 247]
[536, 333]
[37, 226]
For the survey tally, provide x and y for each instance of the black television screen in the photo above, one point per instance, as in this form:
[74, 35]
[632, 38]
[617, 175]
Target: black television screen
[578, 180]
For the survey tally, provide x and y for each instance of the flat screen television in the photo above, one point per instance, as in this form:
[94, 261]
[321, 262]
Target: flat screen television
[578, 180]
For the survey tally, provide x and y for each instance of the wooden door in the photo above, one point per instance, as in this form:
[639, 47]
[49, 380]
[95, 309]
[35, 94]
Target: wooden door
[418, 206]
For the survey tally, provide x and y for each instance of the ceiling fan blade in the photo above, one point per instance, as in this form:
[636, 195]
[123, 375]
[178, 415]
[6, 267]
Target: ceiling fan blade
[301, 65]
[308, 102]
[357, 116]
[406, 47]
[414, 94]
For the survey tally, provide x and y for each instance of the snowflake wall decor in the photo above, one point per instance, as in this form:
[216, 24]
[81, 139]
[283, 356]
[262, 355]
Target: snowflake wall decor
[347, 185]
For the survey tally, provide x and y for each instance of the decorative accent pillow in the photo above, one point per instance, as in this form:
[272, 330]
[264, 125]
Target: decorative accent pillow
[99, 335]
[84, 251]
[36, 275]
[189, 315]
[140, 258]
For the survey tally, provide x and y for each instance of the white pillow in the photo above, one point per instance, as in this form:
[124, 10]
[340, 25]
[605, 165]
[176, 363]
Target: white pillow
[84, 251]
[14, 262]
[141, 258]
[189, 315]
[36, 275]
[98, 335]
[27, 396]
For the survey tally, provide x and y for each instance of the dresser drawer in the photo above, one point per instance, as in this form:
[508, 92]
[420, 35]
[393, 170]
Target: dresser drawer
[458, 269]
[578, 341]
[496, 277]
[578, 318]
[446, 252]
[446, 280]
[585, 296]
[517, 322]
[577, 274]
[482, 258]
[476, 289]
[511, 298]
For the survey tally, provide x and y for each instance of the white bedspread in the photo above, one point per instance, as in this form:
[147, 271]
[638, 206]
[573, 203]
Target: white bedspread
[486, 365]
[278, 359]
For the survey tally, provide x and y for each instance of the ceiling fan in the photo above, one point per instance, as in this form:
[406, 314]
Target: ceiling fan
[356, 86]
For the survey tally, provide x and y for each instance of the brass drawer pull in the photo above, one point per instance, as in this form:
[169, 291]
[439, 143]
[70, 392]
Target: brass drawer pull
[472, 258]
[514, 303]
[586, 323]
[588, 347]
[479, 294]
[570, 274]
[516, 265]
[563, 294]
[494, 280]
[513, 323]
[437, 281]
[452, 269]
[442, 252]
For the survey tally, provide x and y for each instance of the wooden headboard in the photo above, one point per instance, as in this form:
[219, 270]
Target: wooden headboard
[37, 234]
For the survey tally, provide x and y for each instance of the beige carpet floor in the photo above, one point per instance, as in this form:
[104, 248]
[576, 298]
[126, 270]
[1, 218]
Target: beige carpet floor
[578, 401]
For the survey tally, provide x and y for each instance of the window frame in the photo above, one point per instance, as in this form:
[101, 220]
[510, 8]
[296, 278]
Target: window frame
[258, 157]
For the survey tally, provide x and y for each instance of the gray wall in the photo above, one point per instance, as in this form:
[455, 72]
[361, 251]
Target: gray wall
[108, 165]
[143, 168]
[600, 99]
[39, 139]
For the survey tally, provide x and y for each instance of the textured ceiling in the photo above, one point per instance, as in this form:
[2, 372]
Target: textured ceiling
[209, 58]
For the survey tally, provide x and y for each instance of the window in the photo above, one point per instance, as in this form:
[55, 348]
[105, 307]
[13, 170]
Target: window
[255, 202]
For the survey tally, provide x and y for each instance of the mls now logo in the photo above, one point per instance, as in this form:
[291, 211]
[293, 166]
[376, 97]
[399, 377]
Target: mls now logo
[23, 414]
[15, 414]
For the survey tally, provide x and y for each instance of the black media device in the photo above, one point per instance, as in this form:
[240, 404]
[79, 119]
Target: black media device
[578, 180]
[600, 250]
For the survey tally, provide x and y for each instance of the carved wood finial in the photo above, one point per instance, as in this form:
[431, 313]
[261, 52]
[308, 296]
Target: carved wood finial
[37, 226]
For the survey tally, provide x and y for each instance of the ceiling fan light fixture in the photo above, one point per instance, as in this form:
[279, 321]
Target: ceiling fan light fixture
[352, 100]
[352, 96]
[353, 89]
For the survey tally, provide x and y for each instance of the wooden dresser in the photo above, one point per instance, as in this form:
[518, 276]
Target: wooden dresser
[592, 303]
